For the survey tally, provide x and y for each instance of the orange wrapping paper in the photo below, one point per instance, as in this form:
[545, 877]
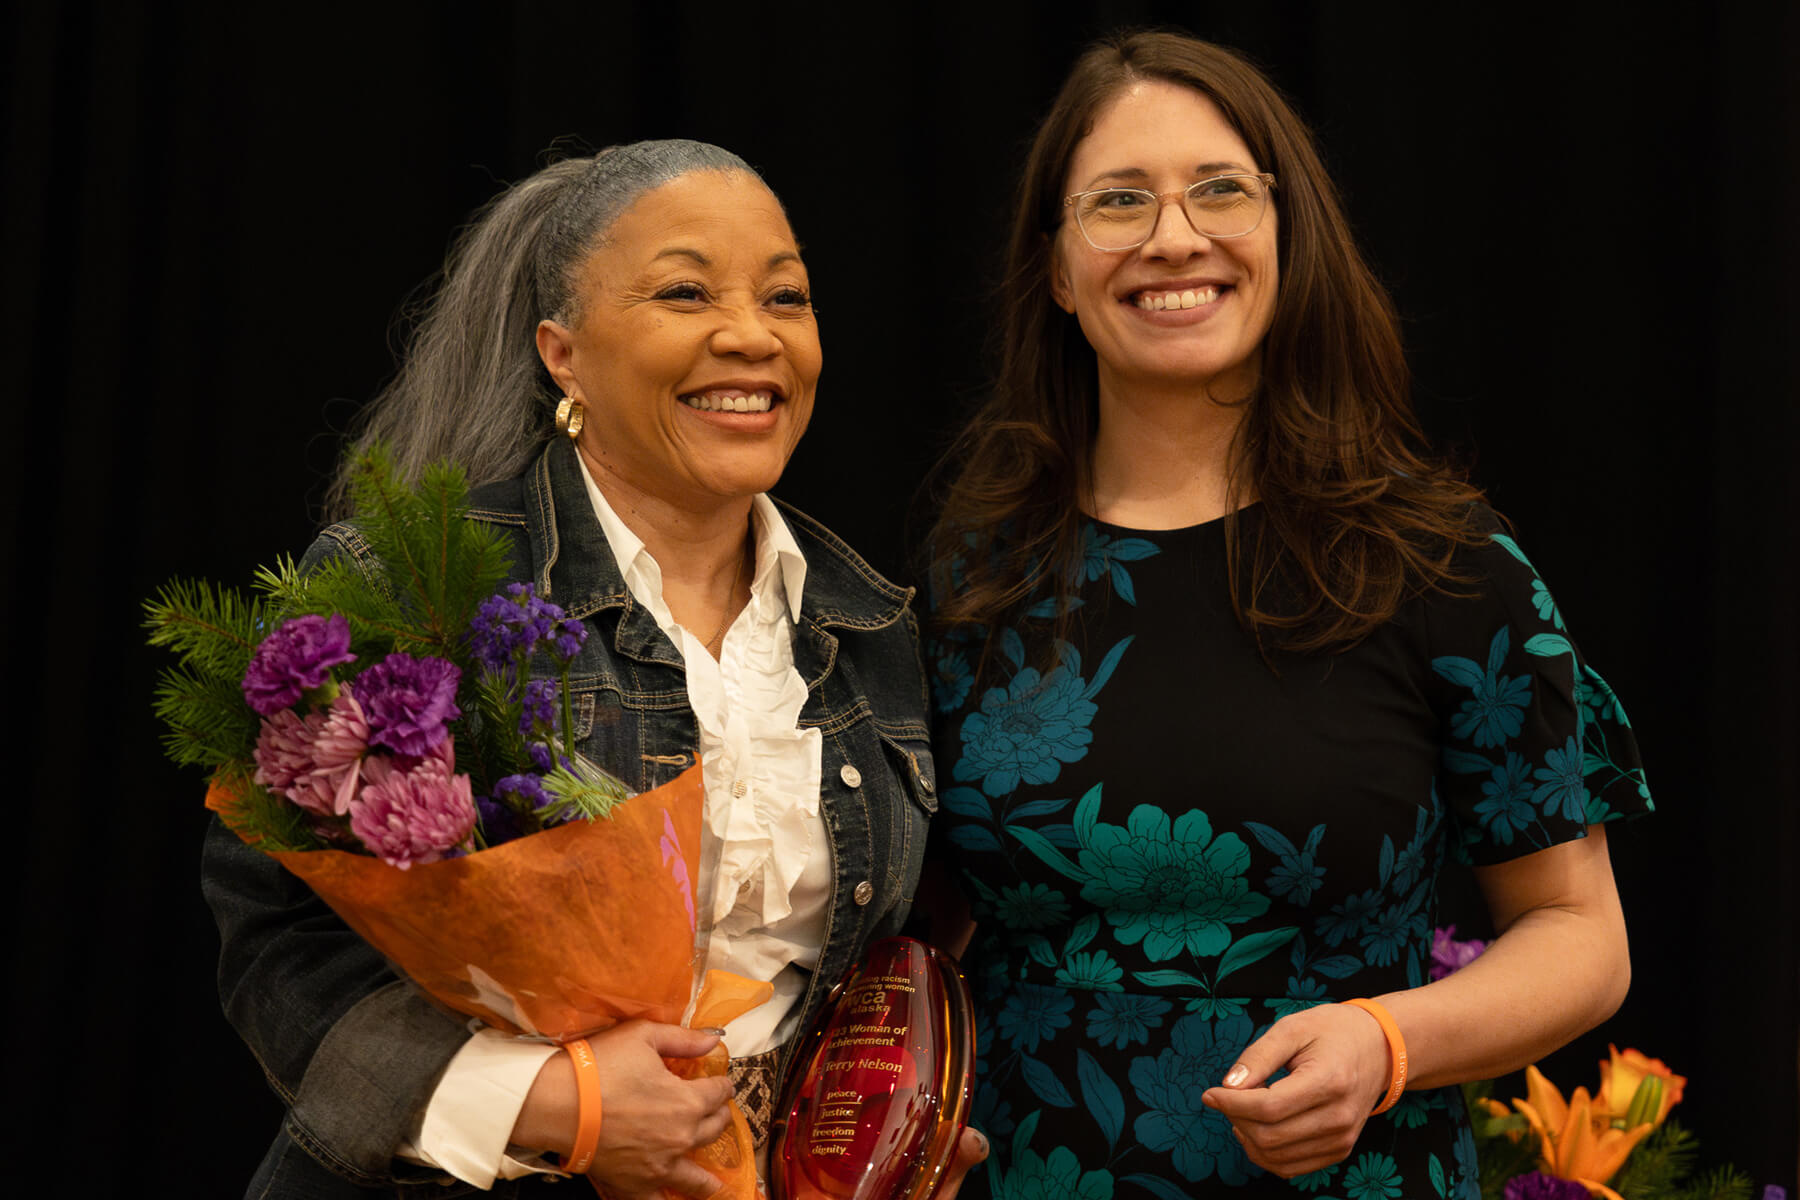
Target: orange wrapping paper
[563, 933]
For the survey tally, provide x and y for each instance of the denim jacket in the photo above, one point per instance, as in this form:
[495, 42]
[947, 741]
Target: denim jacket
[355, 1052]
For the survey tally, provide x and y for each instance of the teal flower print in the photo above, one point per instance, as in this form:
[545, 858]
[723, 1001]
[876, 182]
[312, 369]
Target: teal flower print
[1495, 711]
[1296, 876]
[951, 679]
[1033, 1013]
[1302, 994]
[1561, 790]
[1172, 889]
[1466, 1183]
[1169, 1087]
[1056, 1177]
[1119, 1020]
[1096, 972]
[1314, 1181]
[1387, 935]
[1546, 607]
[990, 1114]
[1027, 730]
[1374, 1177]
[1506, 808]
[1411, 1111]
[1030, 906]
[1102, 554]
[1348, 916]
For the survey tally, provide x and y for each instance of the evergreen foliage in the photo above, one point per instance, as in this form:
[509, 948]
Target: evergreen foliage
[582, 792]
[428, 569]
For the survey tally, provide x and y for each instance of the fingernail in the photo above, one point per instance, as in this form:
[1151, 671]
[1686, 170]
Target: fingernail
[981, 1140]
[713, 1029]
[1237, 1075]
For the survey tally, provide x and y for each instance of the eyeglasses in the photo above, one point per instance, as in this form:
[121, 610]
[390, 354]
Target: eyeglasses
[1225, 206]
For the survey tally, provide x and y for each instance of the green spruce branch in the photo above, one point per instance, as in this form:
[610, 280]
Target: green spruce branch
[269, 822]
[207, 722]
[591, 794]
[439, 563]
[211, 629]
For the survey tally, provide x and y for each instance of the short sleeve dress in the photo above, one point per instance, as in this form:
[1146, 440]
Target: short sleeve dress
[1168, 846]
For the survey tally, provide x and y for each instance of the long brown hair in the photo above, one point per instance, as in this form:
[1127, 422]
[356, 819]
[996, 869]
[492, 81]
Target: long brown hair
[1356, 515]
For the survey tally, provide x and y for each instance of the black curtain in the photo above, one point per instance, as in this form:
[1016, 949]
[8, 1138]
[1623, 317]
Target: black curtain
[212, 214]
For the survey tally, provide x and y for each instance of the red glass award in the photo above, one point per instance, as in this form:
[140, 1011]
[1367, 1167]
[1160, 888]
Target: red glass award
[879, 1092]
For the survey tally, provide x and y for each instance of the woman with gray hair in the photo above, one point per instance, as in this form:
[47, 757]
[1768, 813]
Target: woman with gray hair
[623, 355]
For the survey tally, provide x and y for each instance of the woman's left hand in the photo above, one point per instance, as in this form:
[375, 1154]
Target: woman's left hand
[1337, 1062]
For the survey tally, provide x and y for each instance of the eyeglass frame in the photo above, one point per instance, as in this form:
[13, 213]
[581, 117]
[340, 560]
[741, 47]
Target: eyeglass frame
[1162, 199]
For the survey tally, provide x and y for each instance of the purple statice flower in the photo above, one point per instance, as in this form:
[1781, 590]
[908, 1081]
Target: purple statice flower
[499, 824]
[416, 815]
[537, 699]
[294, 659]
[409, 702]
[526, 792]
[1449, 955]
[1538, 1186]
[510, 626]
[570, 634]
[545, 758]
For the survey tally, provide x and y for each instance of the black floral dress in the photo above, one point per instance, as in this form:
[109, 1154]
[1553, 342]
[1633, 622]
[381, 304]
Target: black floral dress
[1169, 846]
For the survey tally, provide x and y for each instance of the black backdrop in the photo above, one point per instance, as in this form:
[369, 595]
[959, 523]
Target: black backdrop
[211, 215]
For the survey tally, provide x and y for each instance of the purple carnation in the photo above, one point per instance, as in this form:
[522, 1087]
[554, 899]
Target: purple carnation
[1539, 1186]
[409, 702]
[413, 816]
[293, 660]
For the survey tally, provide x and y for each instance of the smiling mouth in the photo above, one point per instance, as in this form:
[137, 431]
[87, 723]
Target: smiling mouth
[1187, 298]
[730, 400]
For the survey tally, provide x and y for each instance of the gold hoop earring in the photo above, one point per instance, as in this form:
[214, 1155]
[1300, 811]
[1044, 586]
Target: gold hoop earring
[569, 416]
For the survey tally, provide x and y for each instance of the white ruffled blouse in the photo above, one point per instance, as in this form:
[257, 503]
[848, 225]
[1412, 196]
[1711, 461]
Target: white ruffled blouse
[773, 882]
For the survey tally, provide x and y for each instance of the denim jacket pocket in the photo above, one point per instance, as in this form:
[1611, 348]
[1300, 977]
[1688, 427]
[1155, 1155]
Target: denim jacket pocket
[911, 756]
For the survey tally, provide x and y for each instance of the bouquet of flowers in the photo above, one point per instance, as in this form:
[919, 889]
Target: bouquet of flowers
[1615, 1144]
[373, 725]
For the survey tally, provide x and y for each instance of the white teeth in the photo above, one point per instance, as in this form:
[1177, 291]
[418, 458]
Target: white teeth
[717, 402]
[1191, 298]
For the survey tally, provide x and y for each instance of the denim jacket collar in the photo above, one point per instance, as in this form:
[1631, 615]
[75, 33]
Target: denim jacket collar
[572, 564]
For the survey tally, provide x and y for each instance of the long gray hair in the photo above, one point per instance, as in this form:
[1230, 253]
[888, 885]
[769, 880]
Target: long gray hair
[471, 387]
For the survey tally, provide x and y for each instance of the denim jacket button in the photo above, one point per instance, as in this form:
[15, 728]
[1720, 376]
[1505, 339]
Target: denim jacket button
[865, 891]
[852, 778]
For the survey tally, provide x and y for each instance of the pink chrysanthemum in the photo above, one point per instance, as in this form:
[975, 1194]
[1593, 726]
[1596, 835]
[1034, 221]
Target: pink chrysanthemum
[415, 815]
[284, 754]
[337, 752]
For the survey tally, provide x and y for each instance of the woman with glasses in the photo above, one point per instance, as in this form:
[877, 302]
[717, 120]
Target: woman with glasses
[1227, 667]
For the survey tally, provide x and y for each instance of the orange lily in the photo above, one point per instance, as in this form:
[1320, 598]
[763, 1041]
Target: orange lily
[1620, 1077]
[1576, 1141]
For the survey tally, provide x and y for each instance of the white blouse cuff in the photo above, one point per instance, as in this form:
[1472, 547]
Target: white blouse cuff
[471, 1114]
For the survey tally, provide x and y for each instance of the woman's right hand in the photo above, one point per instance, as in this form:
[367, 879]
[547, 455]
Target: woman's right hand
[649, 1118]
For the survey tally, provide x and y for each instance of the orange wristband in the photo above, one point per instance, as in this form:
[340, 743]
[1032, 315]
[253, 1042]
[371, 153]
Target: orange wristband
[1396, 1052]
[587, 1107]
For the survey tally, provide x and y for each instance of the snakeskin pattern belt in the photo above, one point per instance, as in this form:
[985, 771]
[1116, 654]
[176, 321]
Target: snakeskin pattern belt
[753, 1079]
